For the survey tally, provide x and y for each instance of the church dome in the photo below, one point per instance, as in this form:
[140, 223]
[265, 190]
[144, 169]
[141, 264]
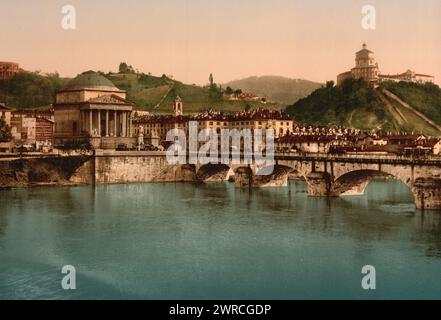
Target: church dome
[364, 53]
[90, 80]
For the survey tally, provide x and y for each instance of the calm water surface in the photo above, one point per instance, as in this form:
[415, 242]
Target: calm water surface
[186, 241]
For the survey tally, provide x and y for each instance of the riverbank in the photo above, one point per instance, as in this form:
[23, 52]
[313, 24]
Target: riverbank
[50, 170]
[99, 168]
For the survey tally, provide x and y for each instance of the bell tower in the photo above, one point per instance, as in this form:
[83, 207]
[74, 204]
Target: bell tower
[177, 107]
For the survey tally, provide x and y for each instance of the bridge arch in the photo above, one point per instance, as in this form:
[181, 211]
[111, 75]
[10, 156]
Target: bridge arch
[214, 172]
[355, 182]
[275, 171]
[426, 190]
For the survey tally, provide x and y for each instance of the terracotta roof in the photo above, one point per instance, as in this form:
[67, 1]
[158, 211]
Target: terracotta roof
[255, 115]
[305, 138]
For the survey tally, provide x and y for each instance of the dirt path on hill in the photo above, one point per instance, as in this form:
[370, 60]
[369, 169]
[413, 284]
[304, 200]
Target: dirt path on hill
[398, 118]
[410, 108]
[164, 97]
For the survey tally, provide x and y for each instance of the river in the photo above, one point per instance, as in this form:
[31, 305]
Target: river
[212, 241]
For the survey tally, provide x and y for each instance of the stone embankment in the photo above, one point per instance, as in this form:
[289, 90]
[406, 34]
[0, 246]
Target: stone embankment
[117, 167]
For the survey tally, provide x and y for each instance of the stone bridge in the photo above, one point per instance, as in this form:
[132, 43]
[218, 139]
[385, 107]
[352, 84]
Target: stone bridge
[335, 175]
[325, 174]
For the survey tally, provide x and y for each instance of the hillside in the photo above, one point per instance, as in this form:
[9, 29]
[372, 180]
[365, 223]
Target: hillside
[274, 88]
[30, 90]
[416, 107]
[147, 92]
[156, 94]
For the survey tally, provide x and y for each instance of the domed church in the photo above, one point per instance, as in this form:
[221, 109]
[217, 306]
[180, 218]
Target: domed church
[91, 107]
[365, 67]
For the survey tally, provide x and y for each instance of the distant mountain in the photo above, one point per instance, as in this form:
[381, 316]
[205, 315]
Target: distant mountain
[275, 88]
[392, 106]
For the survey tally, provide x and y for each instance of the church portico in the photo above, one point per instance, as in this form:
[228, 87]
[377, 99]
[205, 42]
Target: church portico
[91, 107]
[105, 123]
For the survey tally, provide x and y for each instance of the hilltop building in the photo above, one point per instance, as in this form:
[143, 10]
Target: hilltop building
[367, 68]
[8, 70]
[91, 107]
[408, 76]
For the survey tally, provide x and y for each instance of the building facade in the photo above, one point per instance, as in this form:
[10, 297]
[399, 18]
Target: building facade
[90, 107]
[5, 113]
[33, 129]
[155, 128]
[8, 70]
[408, 76]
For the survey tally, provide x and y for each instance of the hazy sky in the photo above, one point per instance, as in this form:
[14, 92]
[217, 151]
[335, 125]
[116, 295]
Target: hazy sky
[311, 39]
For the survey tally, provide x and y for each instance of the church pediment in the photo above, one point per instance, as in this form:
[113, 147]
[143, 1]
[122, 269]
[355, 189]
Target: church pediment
[109, 99]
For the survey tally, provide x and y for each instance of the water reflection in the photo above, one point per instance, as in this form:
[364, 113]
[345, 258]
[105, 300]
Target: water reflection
[178, 240]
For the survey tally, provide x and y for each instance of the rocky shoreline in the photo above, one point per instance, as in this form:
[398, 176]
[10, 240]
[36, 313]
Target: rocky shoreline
[28, 172]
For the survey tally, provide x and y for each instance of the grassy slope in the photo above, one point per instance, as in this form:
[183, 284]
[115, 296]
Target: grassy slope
[353, 104]
[156, 94]
[426, 98]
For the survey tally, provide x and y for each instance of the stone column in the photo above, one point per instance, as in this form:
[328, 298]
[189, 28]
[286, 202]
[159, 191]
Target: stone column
[99, 123]
[114, 124]
[107, 123]
[124, 127]
[130, 125]
[90, 122]
[127, 125]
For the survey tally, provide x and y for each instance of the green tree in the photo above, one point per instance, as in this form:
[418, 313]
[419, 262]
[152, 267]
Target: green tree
[330, 84]
[214, 92]
[30, 89]
[228, 90]
[125, 68]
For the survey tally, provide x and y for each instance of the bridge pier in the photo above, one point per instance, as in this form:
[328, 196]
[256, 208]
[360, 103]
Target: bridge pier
[243, 177]
[427, 193]
[319, 184]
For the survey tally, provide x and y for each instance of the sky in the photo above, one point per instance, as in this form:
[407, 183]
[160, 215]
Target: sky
[233, 39]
